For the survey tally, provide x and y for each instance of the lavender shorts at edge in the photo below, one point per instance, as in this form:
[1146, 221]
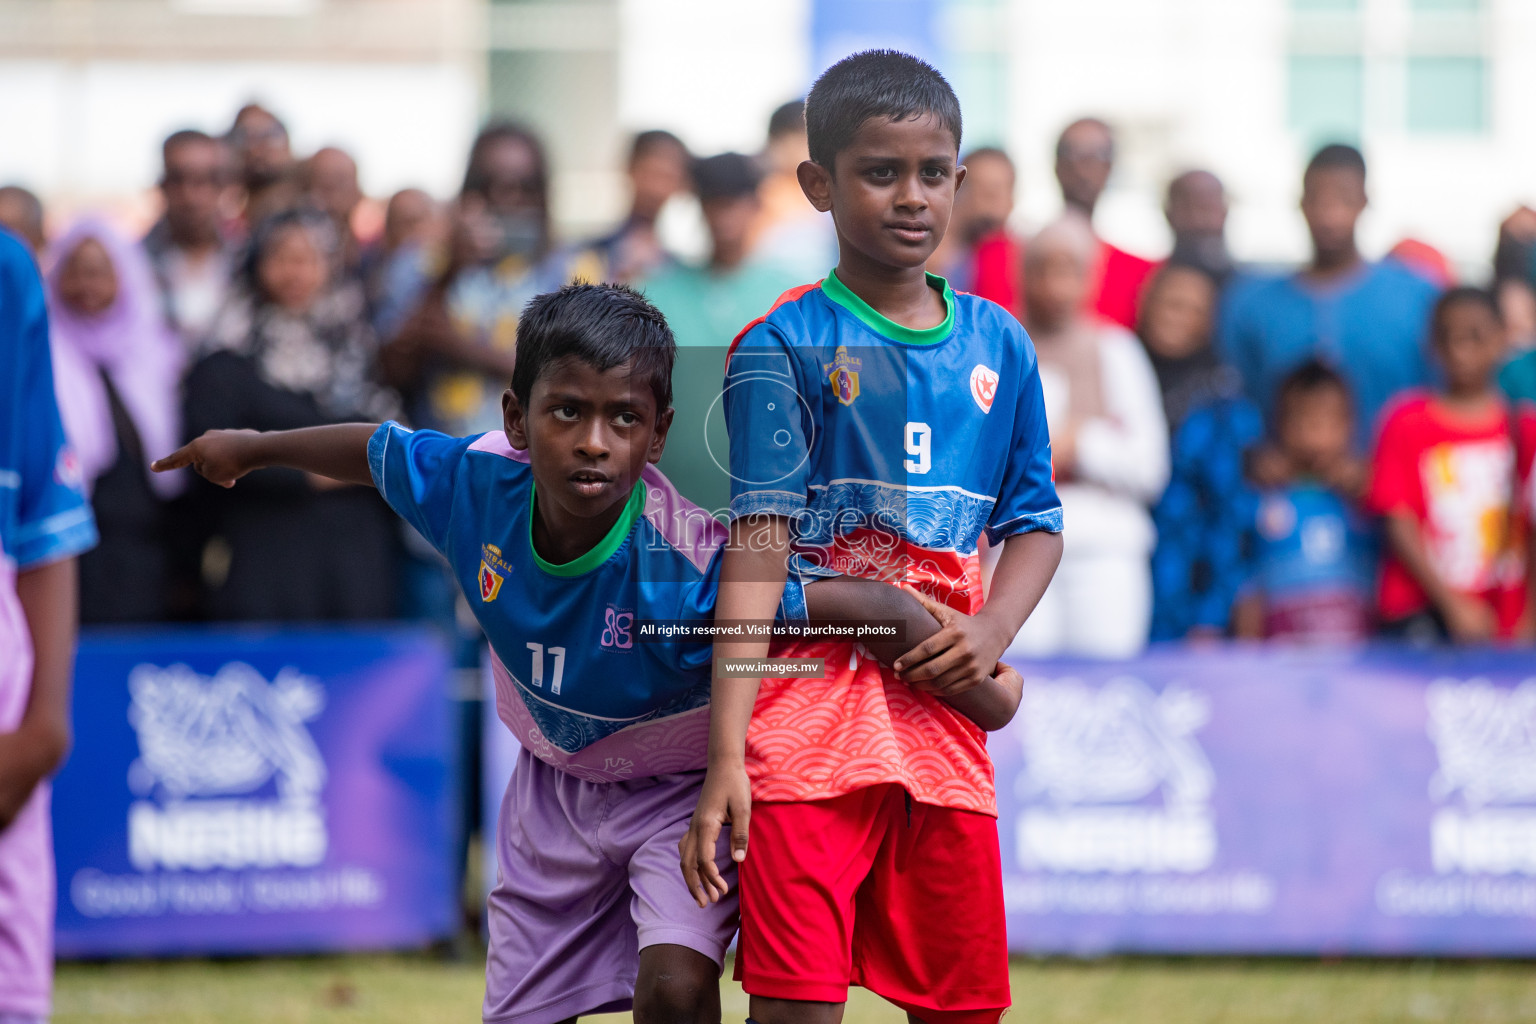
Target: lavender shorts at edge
[587, 876]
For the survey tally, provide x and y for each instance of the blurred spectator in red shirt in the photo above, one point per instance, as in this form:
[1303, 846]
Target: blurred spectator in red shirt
[982, 208]
[1085, 154]
[1450, 469]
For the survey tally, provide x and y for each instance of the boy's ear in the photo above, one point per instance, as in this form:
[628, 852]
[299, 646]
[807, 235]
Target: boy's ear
[959, 176]
[513, 421]
[659, 438]
[816, 183]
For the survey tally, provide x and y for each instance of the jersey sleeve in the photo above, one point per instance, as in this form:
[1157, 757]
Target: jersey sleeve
[770, 416]
[53, 519]
[1027, 500]
[1395, 484]
[417, 472]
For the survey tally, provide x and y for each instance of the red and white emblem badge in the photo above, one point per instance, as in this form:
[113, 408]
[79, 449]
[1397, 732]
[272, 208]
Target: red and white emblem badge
[490, 583]
[983, 386]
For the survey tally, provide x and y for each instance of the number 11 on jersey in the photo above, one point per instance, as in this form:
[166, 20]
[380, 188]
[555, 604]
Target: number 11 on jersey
[558, 653]
[919, 442]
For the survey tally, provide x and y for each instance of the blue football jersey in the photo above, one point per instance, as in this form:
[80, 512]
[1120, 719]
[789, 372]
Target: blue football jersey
[1314, 563]
[575, 682]
[890, 449]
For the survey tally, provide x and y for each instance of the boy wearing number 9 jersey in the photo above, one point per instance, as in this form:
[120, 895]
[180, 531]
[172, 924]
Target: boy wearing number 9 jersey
[879, 424]
[568, 542]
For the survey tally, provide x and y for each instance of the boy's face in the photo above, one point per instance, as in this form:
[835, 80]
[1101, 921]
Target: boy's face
[1471, 343]
[588, 434]
[890, 190]
[1315, 427]
[1332, 199]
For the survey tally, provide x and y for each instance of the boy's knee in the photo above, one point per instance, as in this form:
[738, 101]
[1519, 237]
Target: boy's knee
[677, 986]
[676, 1000]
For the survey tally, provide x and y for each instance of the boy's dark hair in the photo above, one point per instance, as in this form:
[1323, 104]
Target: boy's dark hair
[1455, 297]
[726, 176]
[875, 83]
[788, 119]
[1336, 156]
[1309, 378]
[656, 138]
[603, 325]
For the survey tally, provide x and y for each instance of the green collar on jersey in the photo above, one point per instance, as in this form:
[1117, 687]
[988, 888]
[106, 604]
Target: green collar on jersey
[884, 325]
[603, 549]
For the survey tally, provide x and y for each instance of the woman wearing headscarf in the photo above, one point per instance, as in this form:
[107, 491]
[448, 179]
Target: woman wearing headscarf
[292, 348]
[117, 371]
[1109, 442]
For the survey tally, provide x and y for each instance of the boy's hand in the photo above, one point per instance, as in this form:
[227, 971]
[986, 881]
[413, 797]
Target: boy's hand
[959, 657]
[27, 756]
[220, 456]
[1467, 619]
[725, 800]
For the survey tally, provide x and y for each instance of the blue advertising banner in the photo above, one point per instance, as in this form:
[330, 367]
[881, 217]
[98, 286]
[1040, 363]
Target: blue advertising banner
[1235, 801]
[253, 792]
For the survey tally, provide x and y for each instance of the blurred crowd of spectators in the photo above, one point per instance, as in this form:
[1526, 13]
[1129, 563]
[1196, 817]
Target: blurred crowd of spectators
[1322, 453]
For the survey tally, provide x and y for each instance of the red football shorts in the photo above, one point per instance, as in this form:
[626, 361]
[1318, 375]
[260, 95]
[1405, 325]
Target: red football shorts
[903, 898]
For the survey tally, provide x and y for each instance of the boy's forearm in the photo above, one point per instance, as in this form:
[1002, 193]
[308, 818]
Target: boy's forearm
[752, 578]
[991, 705]
[1022, 573]
[49, 600]
[339, 452]
[845, 599]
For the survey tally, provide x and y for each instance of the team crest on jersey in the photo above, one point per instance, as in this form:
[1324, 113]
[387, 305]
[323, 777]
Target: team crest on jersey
[843, 372]
[68, 471]
[983, 386]
[493, 570]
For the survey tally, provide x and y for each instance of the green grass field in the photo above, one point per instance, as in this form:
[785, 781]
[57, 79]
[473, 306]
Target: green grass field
[397, 990]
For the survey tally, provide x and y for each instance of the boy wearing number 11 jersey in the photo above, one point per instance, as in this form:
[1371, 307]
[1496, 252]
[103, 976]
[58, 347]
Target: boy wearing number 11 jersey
[879, 424]
[567, 541]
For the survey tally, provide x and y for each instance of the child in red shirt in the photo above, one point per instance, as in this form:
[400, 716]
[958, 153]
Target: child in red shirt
[1448, 478]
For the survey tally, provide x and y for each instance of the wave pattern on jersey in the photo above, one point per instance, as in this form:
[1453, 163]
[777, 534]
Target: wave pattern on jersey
[815, 738]
[571, 731]
[940, 518]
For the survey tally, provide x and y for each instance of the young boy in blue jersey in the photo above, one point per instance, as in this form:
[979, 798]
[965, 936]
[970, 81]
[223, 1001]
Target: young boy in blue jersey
[879, 423]
[568, 541]
[1312, 564]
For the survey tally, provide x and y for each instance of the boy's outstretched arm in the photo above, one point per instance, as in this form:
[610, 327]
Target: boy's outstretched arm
[989, 702]
[752, 574]
[970, 646]
[223, 456]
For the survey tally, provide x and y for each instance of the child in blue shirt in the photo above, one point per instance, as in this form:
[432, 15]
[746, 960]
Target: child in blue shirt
[1311, 570]
[570, 544]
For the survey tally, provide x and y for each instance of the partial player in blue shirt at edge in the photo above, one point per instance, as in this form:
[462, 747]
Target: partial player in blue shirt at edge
[1369, 321]
[569, 543]
[45, 521]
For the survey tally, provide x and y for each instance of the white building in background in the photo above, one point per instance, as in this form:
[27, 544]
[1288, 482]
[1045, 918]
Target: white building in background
[89, 88]
[1433, 90]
